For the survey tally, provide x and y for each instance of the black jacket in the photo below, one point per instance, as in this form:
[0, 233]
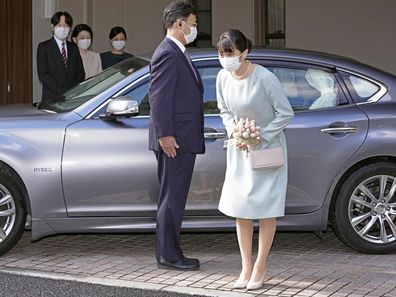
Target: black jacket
[55, 77]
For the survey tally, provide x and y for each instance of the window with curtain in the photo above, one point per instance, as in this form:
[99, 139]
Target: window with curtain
[275, 23]
[204, 18]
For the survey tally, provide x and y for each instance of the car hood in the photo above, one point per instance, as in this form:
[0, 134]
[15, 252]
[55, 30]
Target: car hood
[27, 116]
[22, 110]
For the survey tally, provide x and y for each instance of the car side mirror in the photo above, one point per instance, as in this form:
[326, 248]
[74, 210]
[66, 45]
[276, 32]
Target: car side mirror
[122, 106]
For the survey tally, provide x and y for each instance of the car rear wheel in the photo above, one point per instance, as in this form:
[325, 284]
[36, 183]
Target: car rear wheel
[364, 213]
[12, 211]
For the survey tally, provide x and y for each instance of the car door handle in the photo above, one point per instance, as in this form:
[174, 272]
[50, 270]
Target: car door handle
[215, 135]
[334, 130]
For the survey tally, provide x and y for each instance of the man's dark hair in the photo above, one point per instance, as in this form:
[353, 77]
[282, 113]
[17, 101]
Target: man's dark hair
[176, 10]
[81, 27]
[55, 20]
[117, 30]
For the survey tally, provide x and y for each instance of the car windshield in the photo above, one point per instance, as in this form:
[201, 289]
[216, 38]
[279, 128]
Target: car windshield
[93, 86]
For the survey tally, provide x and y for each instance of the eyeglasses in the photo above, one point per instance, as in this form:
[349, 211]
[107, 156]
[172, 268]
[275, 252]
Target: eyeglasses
[191, 25]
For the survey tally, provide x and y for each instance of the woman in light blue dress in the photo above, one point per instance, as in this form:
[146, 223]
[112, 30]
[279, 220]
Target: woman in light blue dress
[246, 90]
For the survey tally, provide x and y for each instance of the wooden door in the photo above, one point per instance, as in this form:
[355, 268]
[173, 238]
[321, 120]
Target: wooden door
[3, 54]
[16, 55]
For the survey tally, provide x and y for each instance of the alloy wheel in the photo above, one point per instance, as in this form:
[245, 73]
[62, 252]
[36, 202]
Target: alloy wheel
[7, 212]
[372, 209]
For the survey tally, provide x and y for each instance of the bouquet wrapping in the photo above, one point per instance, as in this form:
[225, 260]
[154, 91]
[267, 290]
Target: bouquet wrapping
[246, 134]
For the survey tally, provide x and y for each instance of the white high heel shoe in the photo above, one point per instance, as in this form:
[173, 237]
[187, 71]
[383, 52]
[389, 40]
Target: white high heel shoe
[240, 283]
[255, 285]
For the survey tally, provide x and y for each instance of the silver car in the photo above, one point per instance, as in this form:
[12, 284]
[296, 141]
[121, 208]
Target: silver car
[80, 164]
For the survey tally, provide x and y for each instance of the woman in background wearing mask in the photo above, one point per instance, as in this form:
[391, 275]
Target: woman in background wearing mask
[118, 39]
[59, 63]
[246, 90]
[82, 36]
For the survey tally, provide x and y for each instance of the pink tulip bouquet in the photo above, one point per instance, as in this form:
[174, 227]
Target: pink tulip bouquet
[246, 134]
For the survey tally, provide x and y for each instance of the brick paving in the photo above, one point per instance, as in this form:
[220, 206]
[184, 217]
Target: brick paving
[300, 264]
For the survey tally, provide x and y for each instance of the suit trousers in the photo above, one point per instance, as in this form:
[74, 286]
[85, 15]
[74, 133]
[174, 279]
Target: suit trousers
[174, 176]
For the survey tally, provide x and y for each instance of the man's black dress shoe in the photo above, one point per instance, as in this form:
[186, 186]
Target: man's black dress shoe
[183, 264]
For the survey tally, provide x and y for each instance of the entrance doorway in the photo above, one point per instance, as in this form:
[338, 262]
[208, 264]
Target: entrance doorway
[16, 53]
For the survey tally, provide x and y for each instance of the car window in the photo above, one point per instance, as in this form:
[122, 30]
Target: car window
[93, 86]
[360, 88]
[309, 88]
[208, 76]
[140, 94]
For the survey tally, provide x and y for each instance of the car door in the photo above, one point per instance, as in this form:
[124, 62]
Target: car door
[326, 131]
[109, 171]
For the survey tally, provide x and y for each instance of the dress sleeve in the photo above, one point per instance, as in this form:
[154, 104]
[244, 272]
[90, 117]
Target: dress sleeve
[282, 108]
[225, 113]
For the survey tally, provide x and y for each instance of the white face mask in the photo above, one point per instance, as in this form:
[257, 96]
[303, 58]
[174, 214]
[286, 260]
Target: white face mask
[193, 34]
[118, 44]
[230, 63]
[61, 32]
[84, 43]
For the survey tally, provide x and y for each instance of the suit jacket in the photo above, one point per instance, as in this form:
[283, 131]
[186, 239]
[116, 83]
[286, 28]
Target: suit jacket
[55, 77]
[176, 100]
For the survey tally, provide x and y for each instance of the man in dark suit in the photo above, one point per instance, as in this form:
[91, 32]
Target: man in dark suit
[176, 129]
[59, 63]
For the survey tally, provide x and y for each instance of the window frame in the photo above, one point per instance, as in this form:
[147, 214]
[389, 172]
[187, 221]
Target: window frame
[270, 62]
[383, 89]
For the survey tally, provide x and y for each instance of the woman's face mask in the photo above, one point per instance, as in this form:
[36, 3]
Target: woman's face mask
[118, 44]
[84, 43]
[230, 63]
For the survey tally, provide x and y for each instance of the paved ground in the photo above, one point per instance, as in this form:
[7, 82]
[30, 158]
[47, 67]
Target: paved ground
[300, 264]
[14, 285]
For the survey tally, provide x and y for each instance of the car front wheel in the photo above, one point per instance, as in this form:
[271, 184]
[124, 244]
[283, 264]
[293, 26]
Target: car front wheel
[364, 213]
[12, 210]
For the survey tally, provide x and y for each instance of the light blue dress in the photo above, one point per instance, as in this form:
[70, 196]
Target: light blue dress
[248, 193]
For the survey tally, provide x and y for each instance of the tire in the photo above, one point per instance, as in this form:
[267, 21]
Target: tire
[12, 210]
[363, 215]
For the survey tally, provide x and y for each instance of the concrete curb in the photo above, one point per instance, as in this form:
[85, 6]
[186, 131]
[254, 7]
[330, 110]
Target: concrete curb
[123, 283]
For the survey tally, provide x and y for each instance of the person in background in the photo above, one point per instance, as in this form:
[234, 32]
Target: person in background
[247, 90]
[118, 38]
[59, 63]
[82, 36]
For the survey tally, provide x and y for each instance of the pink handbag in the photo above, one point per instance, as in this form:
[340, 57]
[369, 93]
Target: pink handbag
[267, 158]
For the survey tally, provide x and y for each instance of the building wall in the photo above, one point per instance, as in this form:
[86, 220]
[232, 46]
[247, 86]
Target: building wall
[228, 14]
[41, 30]
[360, 29]
[142, 21]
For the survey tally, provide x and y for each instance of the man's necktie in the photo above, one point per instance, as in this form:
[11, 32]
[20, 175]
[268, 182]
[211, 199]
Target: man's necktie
[64, 57]
[189, 62]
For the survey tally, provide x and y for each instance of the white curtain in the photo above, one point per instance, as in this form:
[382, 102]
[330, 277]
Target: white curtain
[324, 83]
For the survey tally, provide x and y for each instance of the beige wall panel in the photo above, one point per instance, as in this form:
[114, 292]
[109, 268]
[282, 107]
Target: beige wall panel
[81, 10]
[361, 29]
[107, 14]
[144, 24]
[141, 19]
[235, 14]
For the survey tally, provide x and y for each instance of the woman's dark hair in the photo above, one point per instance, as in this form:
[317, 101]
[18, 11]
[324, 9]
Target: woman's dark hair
[55, 20]
[117, 30]
[81, 27]
[233, 39]
[176, 10]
